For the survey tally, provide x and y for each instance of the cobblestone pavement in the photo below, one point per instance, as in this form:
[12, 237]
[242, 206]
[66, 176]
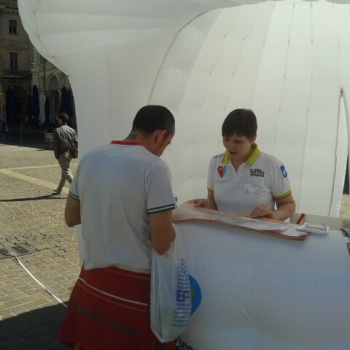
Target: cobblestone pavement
[31, 221]
[32, 226]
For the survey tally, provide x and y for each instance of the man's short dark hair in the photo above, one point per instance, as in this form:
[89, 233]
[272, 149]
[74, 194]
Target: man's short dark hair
[64, 117]
[154, 117]
[241, 122]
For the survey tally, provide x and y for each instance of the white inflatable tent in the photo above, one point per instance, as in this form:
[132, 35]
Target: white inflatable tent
[289, 61]
[286, 60]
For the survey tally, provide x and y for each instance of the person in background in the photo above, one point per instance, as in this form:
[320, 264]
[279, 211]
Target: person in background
[122, 195]
[64, 138]
[245, 180]
[3, 124]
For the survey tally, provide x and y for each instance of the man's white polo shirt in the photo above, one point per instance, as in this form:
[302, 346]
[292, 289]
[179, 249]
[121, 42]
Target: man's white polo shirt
[119, 185]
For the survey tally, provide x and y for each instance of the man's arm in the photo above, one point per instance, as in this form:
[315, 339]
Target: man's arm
[55, 143]
[162, 231]
[72, 212]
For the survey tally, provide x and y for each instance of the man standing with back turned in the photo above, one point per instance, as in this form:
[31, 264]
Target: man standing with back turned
[64, 138]
[122, 196]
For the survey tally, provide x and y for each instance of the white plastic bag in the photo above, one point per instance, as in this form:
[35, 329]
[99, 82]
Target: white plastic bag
[171, 302]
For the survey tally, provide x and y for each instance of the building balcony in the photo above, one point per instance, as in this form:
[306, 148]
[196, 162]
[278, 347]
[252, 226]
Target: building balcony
[16, 74]
[11, 4]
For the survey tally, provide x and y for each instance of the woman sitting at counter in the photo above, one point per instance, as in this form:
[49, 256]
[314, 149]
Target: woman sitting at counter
[245, 180]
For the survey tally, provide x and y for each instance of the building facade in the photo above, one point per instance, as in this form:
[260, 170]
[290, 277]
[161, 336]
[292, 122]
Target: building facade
[32, 90]
[55, 93]
[15, 65]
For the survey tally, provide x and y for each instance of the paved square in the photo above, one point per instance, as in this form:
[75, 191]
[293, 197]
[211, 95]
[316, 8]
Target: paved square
[32, 227]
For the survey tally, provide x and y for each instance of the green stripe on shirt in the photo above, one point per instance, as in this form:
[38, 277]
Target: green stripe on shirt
[74, 196]
[161, 209]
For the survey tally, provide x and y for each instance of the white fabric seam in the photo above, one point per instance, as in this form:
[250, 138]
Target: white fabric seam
[111, 295]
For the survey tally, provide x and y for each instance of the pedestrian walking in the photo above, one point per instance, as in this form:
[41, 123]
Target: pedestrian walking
[64, 138]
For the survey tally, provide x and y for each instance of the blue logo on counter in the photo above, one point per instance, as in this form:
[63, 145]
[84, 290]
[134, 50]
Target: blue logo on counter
[196, 294]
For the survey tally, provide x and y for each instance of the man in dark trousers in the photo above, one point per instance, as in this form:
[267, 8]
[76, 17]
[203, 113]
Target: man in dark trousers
[64, 138]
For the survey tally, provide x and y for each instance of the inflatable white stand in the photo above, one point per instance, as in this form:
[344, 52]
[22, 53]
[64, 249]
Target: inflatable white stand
[286, 60]
[252, 291]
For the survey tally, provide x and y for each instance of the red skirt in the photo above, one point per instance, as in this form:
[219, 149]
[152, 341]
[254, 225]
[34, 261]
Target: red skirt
[109, 309]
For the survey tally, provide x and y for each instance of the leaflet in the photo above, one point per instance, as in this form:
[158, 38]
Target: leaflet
[188, 212]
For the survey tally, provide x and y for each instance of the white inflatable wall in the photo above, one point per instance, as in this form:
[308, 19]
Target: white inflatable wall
[286, 60]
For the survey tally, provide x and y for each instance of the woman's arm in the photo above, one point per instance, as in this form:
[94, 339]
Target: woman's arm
[285, 209]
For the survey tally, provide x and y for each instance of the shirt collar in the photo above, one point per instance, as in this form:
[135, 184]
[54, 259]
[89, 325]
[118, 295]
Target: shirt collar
[126, 143]
[252, 158]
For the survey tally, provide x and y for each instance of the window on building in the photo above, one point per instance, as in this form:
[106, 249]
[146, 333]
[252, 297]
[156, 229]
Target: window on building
[12, 26]
[42, 59]
[14, 61]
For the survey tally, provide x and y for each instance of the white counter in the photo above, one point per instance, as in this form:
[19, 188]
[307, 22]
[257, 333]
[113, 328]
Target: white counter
[260, 292]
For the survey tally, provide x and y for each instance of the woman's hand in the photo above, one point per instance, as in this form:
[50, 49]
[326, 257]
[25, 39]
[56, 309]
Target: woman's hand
[202, 202]
[208, 203]
[285, 209]
[263, 211]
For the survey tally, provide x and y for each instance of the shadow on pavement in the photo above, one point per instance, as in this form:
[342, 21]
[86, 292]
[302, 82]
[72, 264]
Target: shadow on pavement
[37, 329]
[49, 196]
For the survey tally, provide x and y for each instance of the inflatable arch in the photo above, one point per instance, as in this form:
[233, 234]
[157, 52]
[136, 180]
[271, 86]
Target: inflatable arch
[286, 60]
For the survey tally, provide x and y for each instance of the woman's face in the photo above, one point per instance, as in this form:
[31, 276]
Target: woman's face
[239, 147]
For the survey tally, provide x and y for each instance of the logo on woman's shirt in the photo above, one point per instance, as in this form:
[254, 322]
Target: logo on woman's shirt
[257, 172]
[284, 171]
[222, 170]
